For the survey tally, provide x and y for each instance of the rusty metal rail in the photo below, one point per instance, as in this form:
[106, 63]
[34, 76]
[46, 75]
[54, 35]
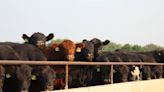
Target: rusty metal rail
[67, 64]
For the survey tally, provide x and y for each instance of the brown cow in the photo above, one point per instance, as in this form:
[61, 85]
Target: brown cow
[63, 51]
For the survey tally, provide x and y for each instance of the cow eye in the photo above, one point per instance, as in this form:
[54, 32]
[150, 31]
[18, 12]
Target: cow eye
[78, 49]
[57, 49]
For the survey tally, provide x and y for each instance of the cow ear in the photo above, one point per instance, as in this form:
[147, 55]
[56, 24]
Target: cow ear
[84, 40]
[25, 37]
[50, 36]
[106, 42]
[79, 47]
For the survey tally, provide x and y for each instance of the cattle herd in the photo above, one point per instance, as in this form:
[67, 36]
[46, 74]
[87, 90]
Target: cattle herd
[32, 78]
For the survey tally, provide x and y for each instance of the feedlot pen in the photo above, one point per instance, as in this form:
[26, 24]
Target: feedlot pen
[155, 85]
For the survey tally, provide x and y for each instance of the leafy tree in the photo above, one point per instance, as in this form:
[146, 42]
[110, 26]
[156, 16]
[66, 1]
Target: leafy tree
[127, 47]
[151, 47]
[112, 47]
[137, 48]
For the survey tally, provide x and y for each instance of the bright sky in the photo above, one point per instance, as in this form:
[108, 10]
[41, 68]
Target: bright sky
[121, 21]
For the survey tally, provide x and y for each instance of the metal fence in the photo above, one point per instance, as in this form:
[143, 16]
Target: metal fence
[67, 64]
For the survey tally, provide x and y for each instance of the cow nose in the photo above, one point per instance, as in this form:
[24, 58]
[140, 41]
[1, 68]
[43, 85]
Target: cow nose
[106, 81]
[70, 57]
[24, 90]
[40, 44]
[49, 88]
[90, 56]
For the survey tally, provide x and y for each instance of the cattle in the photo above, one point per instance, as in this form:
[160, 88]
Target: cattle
[98, 45]
[29, 52]
[7, 53]
[19, 81]
[64, 51]
[20, 52]
[86, 53]
[43, 77]
[81, 76]
[120, 73]
[134, 73]
[152, 57]
[37, 39]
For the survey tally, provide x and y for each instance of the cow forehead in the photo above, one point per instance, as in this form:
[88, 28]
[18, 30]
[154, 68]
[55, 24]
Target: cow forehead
[67, 44]
[38, 36]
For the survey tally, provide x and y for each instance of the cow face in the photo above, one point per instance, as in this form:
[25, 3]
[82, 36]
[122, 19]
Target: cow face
[38, 39]
[105, 74]
[86, 53]
[46, 78]
[134, 73]
[159, 56]
[23, 78]
[98, 44]
[146, 72]
[121, 73]
[67, 48]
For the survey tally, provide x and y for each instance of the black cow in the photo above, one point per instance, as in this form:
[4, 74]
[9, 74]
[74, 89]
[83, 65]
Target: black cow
[17, 77]
[19, 81]
[98, 45]
[43, 78]
[38, 39]
[153, 57]
[20, 52]
[84, 74]
[86, 53]
[29, 52]
[120, 73]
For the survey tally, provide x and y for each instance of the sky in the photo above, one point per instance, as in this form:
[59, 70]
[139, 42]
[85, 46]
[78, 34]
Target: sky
[122, 21]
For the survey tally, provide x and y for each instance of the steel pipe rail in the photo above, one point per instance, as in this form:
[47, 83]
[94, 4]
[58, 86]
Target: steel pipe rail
[17, 62]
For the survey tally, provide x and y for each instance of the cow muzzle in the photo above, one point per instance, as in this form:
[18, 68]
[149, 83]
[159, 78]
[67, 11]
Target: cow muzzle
[24, 91]
[70, 57]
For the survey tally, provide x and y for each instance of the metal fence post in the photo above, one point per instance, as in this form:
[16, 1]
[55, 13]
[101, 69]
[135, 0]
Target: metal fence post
[111, 72]
[66, 77]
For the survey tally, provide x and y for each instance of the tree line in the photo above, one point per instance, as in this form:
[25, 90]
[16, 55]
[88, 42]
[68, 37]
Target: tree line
[112, 46]
[132, 48]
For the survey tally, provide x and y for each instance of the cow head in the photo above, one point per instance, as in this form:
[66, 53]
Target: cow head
[68, 48]
[44, 77]
[86, 53]
[134, 73]
[121, 73]
[23, 78]
[146, 72]
[38, 39]
[98, 44]
[63, 51]
[159, 56]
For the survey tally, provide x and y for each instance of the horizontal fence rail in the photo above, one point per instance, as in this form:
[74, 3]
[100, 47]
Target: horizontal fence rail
[68, 63]
[17, 62]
